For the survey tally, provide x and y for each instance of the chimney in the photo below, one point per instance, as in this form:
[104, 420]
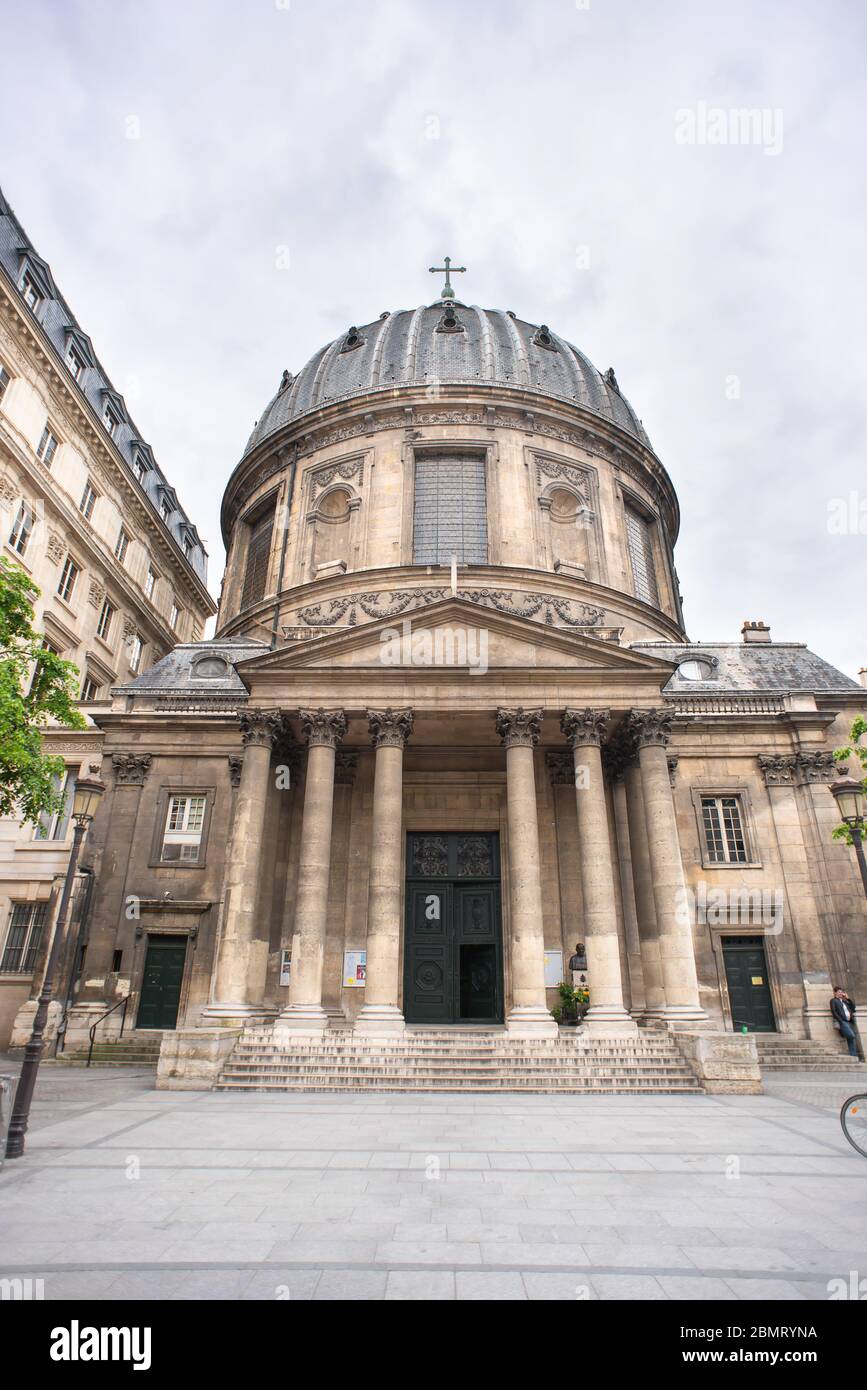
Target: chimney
[862, 676]
[756, 632]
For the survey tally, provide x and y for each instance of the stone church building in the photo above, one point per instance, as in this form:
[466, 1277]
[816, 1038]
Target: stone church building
[451, 725]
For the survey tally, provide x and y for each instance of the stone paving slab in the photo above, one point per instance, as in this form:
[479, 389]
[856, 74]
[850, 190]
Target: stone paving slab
[130, 1193]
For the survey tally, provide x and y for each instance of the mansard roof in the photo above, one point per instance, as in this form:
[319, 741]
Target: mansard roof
[771, 666]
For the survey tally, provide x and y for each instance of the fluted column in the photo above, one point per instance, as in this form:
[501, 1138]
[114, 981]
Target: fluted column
[323, 730]
[529, 1015]
[642, 881]
[381, 1013]
[242, 957]
[652, 729]
[607, 1014]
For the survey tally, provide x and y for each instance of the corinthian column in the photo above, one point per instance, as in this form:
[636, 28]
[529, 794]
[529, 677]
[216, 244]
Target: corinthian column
[389, 730]
[652, 729]
[304, 1013]
[529, 1015]
[607, 1015]
[242, 958]
[642, 879]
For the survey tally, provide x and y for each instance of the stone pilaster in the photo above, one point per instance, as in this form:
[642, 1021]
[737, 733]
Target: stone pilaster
[642, 882]
[323, 730]
[529, 1015]
[637, 999]
[242, 956]
[607, 1014]
[652, 730]
[381, 1013]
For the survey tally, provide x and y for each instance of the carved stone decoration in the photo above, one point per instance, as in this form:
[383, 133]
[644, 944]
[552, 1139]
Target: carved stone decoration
[650, 726]
[578, 478]
[96, 593]
[7, 491]
[561, 769]
[56, 548]
[583, 726]
[778, 771]
[616, 755]
[354, 468]
[345, 768]
[519, 728]
[672, 769]
[129, 627]
[130, 769]
[544, 607]
[322, 726]
[260, 727]
[390, 728]
[236, 762]
[817, 767]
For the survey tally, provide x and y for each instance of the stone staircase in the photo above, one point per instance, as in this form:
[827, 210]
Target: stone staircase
[471, 1060]
[134, 1051]
[779, 1052]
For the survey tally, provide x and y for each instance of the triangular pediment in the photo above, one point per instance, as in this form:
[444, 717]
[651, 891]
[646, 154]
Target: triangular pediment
[456, 634]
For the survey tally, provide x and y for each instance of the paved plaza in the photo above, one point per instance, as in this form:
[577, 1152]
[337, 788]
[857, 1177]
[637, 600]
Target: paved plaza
[129, 1192]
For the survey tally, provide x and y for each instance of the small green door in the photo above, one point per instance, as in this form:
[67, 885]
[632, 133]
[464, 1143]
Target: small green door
[749, 991]
[161, 984]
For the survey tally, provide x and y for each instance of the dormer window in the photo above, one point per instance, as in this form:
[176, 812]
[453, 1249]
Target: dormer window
[74, 363]
[188, 547]
[110, 419]
[165, 511]
[139, 468]
[47, 447]
[30, 291]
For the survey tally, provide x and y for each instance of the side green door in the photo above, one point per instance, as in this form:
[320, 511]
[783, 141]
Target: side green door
[747, 977]
[161, 983]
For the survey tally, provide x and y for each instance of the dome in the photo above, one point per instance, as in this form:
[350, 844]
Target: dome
[447, 343]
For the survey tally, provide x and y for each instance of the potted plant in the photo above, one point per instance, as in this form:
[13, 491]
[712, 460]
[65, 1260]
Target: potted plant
[572, 1007]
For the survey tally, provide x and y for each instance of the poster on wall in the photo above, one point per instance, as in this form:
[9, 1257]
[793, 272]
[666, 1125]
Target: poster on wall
[354, 963]
[285, 966]
[553, 969]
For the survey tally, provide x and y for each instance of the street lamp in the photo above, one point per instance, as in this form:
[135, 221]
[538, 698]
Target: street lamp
[88, 791]
[849, 796]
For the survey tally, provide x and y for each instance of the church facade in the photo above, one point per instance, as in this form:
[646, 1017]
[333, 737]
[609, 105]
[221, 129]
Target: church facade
[451, 725]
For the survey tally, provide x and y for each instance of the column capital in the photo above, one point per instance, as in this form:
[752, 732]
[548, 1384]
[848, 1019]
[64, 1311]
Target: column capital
[561, 769]
[323, 726]
[650, 727]
[818, 767]
[519, 728]
[778, 771]
[584, 726]
[260, 727]
[131, 769]
[390, 728]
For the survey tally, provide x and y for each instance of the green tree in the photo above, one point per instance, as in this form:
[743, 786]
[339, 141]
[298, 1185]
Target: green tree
[30, 781]
[856, 748]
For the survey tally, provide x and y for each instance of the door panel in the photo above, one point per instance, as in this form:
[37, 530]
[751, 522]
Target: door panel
[161, 983]
[747, 977]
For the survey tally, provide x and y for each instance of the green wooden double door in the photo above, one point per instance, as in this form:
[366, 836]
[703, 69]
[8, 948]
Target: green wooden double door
[747, 977]
[161, 982]
[453, 957]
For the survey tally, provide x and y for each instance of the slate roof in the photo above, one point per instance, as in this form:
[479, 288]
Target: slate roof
[177, 673]
[742, 666]
[405, 348]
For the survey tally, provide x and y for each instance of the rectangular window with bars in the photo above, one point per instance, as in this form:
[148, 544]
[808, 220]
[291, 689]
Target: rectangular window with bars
[639, 543]
[185, 822]
[724, 836]
[258, 556]
[26, 926]
[450, 512]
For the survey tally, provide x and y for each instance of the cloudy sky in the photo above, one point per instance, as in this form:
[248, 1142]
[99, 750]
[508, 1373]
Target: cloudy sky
[296, 166]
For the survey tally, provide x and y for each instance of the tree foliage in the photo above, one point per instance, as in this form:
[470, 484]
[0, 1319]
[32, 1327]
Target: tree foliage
[856, 748]
[29, 777]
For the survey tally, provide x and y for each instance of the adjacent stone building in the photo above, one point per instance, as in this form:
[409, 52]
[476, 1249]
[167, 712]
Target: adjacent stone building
[87, 512]
[451, 725]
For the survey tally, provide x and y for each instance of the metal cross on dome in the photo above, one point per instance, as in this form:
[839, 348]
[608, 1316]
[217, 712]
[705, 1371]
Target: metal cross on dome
[447, 293]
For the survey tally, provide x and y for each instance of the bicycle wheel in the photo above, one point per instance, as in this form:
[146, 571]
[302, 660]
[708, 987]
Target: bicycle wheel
[853, 1118]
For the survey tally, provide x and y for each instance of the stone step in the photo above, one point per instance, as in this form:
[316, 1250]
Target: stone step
[500, 1085]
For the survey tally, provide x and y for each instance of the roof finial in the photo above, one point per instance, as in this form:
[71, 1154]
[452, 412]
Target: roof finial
[447, 293]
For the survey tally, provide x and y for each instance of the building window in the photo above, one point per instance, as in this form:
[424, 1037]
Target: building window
[32, 297]
[68, 576]
[165, 511]
[47, 447]
[88, 500]
[135, 651]
[22, 529]
[139, 468]
[722, 821]
[5, 379]
[110, 420]
[258, 555]
[150, 583]
[122, 546]
[89, 690]
[54, 827]
[639, 543]
[185, 821]
[188, 547]
[106, 613]
[450, 515]
[23, 938]
[74, 363]
[174, 617]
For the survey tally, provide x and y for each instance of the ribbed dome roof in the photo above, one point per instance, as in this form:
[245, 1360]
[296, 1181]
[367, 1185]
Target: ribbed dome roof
[411, 348]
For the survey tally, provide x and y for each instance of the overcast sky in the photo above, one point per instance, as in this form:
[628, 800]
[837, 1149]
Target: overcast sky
[540, 145]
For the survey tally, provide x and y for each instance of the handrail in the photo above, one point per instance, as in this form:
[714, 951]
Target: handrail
[121, 1004]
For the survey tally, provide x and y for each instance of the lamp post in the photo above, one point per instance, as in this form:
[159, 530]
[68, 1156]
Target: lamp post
[88, 791]
[849, 796]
